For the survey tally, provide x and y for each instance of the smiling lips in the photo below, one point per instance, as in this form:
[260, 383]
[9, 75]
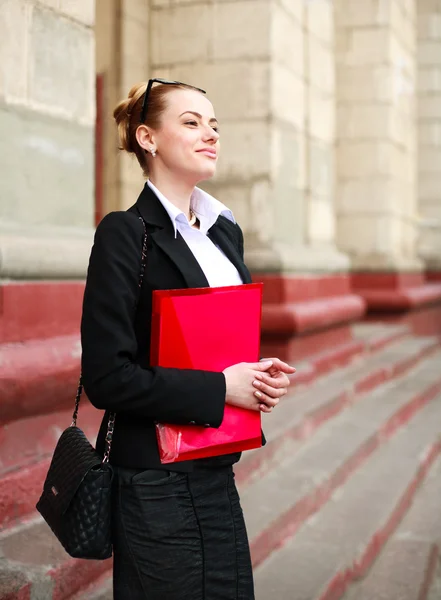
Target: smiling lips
[210, 152]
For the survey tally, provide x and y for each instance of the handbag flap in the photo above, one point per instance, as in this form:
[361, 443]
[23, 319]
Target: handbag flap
[73, 458]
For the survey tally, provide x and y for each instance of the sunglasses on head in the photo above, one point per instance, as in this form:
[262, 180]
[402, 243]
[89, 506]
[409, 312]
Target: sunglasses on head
[164, 82]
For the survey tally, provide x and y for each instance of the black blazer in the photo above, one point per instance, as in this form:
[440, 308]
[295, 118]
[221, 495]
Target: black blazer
[115, 332]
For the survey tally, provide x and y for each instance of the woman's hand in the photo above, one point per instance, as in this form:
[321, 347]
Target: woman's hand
[240, 391]
[257, 386]
[275, 377]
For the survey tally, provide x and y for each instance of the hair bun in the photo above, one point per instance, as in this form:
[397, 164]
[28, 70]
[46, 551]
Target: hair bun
[123, 113]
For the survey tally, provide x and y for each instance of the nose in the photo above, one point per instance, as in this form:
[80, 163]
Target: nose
[210, 134]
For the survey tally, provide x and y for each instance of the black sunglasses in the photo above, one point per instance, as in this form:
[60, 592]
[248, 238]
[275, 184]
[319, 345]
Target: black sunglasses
[165, 82]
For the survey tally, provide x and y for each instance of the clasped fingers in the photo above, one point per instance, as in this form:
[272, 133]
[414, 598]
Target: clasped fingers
[269, 390]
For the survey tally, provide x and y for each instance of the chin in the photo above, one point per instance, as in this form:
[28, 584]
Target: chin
[203, 175]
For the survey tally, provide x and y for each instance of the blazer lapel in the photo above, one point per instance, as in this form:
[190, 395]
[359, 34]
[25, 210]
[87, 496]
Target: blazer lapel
[153, 213]
[223, 240]
[178, 251]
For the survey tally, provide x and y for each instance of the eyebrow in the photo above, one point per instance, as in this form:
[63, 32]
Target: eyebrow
[196, 114]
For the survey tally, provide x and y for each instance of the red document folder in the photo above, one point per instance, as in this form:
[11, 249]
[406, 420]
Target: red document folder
[208, 329]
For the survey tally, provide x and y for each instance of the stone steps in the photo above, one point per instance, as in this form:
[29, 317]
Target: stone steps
[26, 447]
[32, 561]
[302, 483]
[339, 543]
[302, 413]
[407, 565]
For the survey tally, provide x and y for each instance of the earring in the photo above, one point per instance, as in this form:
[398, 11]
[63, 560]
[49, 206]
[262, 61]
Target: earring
[153, 152]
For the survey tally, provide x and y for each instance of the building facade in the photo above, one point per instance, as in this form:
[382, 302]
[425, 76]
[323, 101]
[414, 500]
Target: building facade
[331, 148]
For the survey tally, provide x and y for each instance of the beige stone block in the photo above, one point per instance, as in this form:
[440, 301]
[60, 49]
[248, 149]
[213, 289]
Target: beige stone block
[173, 3]
[287, 96]
[372, 121]
[403, 26]
[429, 52]
[369, 83]
[430, 210]
[288, 155]
[409, 7]
[429, 26]
[246, 151]
[44, 252]
[62, 66]
[320, 168]
[320, 20]
[55, 4]
[295, 9]
[240, 29]
[429, 79]
[429, 186]
[138, 10]
[80, 10]
[262, 217]
[429, 160]
[287, 42]
[237, 89]
[367, 236]
[367, 197]
[182, 34]
[429, 245]
[429, 107]
[368, 46]
[429, 133]
[365, 159]
[135, 39]
[402, 58]
[14, 23]
[362, 14]
[428, 6]
[322, 116]
[321, 65]
[321, 220]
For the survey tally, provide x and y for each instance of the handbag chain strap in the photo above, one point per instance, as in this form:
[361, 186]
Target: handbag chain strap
[111, 421]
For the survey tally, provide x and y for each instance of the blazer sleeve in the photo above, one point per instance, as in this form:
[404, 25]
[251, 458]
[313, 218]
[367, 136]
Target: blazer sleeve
[111, 377]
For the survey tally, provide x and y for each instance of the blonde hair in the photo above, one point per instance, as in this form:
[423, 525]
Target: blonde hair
[127, 116]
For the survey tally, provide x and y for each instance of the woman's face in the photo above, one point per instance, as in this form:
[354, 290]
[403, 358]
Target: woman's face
[187, 142]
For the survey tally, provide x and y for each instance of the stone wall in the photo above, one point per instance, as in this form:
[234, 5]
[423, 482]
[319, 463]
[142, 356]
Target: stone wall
[376, 139]
[268, 68]
[47, 115]
[429, 131]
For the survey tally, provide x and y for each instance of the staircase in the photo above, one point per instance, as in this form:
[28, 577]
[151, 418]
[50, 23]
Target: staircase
[342, 502]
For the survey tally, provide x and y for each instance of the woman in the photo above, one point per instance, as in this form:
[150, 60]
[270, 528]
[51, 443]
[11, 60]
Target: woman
[178, 529]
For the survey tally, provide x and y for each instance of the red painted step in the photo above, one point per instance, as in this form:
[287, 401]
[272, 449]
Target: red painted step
[38, 376]
[407, 564]
[302, 413]
[341, 542]
[31, 551]
[301, 484]
[101, 589]
[26, 447]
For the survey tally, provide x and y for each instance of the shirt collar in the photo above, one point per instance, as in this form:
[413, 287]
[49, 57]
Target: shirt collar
[206, 208]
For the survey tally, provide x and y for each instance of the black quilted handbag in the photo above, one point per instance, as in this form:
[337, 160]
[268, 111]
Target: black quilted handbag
[76, 497]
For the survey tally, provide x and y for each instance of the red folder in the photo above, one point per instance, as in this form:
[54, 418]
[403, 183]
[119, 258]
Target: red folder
[209, 329]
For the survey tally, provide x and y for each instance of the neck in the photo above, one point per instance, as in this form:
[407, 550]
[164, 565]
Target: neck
[176, 191]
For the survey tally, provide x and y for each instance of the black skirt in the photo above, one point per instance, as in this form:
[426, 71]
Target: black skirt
[179, 536]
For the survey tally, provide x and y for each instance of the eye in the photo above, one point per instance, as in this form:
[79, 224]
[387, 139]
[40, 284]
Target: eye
[194, 123]
[216, 129]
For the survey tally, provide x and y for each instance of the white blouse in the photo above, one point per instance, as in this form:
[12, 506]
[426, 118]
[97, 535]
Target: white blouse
[217, 268]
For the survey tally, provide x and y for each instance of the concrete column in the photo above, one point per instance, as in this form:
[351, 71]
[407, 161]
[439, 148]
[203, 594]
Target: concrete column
[376, 142]
[260, 63]
[429, 132]
[47, 115]
[122, 58]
